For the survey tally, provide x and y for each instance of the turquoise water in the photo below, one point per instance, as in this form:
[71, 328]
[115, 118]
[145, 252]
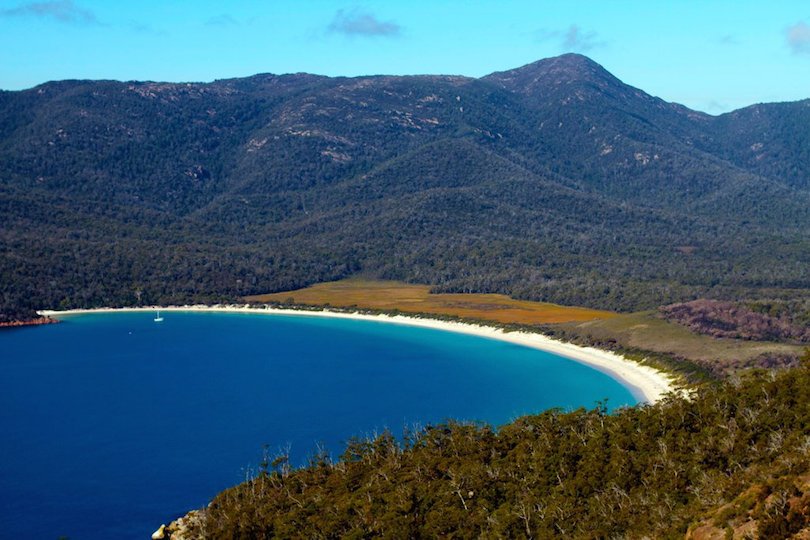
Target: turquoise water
[113, 424]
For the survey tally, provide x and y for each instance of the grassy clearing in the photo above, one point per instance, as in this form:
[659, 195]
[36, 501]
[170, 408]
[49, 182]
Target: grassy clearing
[396, 296]
[646, 331]
[643, 333]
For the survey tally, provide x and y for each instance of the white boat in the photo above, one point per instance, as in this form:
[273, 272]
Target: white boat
[158, 318]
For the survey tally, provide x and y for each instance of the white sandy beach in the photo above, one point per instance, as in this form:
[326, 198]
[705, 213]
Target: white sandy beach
[646, 384]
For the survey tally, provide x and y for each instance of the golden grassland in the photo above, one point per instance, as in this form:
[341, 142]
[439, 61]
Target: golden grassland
[643, 330]
[407, 298]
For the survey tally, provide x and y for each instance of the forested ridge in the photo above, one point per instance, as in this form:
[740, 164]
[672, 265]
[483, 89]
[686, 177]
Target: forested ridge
[554, 181]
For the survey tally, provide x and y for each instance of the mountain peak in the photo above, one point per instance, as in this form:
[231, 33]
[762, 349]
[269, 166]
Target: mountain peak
[554, 72]
[567, 61]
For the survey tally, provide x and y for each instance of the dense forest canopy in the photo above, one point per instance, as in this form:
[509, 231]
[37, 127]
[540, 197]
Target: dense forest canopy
[554, 181]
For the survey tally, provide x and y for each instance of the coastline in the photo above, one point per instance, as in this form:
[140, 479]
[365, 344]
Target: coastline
[31, 322]
[647, 384]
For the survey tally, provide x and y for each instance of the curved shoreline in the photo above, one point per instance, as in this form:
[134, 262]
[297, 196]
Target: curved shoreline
[647, 384]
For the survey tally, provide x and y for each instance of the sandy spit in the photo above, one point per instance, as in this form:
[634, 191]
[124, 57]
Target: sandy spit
[647, 384]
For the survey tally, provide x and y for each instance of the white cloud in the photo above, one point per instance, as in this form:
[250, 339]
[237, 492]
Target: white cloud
[362, 24]
[798, 37]
[222, 20]
[573, 39]
[65, 11]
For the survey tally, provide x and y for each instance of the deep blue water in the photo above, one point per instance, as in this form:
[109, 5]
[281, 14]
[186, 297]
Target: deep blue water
[111, 424]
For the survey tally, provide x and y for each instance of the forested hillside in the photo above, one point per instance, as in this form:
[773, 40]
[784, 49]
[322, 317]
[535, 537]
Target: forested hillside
[732, 462]
[554, 181]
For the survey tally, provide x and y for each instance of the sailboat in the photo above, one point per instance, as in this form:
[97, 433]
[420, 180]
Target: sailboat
[158, 318]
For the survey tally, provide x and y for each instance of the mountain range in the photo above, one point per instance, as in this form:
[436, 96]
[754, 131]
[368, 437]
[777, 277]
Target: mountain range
[554, 181]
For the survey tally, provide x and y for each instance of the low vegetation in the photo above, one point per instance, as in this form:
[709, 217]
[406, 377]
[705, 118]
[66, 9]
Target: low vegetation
[407, 298]
[645, 336]
[732, 460]
[677, 346]
[763, 321]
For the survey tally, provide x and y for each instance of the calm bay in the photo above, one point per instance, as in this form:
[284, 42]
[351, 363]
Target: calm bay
[113, 424]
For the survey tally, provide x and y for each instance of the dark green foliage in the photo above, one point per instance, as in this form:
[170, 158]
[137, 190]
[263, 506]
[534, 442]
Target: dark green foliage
[648, 471]
[553, 182]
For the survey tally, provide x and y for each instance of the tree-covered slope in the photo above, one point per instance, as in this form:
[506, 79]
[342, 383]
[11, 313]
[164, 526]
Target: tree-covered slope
[554, 181]
[731, 460]
[772, 140]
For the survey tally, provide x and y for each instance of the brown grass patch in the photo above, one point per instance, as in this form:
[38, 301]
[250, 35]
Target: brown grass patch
[393, 295]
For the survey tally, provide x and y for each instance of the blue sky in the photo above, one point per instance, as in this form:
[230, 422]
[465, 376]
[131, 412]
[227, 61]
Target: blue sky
[713, 56]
